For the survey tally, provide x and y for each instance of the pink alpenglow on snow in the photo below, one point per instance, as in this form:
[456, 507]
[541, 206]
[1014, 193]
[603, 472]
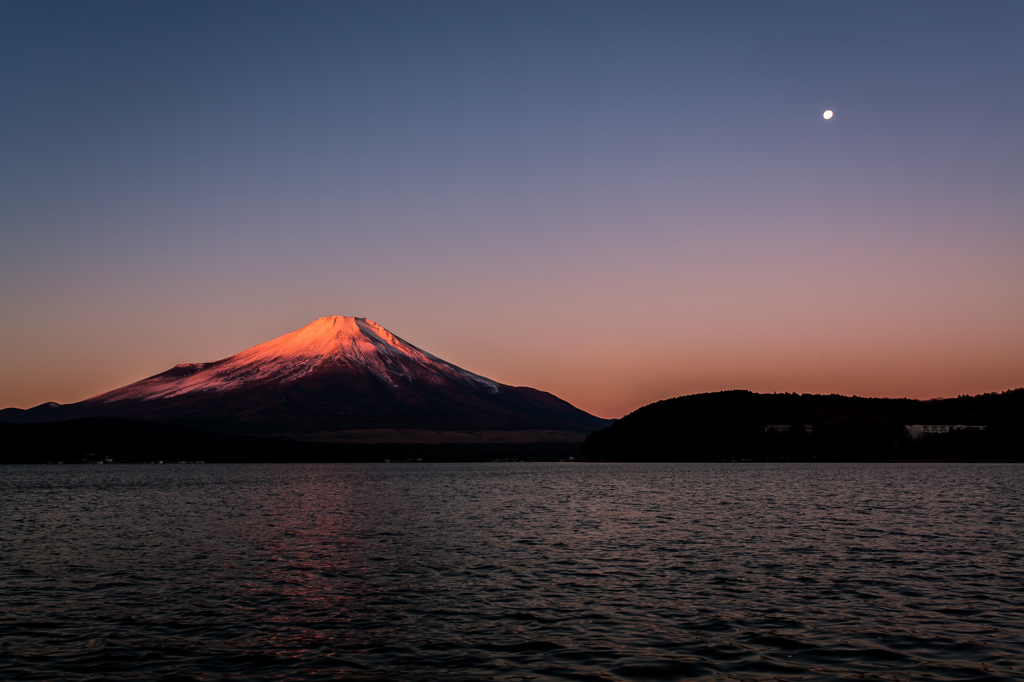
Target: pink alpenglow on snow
[325, 343]
[337, 374]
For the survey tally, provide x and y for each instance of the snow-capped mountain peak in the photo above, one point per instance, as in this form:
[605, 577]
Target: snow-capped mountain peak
[328, 344]
[336, 374]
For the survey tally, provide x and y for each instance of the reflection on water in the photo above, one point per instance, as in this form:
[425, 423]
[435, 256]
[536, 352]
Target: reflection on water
[512, 572]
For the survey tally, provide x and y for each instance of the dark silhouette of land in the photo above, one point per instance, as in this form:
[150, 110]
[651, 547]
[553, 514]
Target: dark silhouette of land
[741, 425]
[709, 427]
[125, 441]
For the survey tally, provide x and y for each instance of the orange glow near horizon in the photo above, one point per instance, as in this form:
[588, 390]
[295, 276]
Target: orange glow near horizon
[608, 371]
[616, 204]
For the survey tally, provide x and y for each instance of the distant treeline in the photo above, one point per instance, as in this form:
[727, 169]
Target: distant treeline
[126, 441]
[708, 427]
[732, 425]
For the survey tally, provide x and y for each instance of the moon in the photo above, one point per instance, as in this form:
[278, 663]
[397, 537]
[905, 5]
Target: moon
[827, 115]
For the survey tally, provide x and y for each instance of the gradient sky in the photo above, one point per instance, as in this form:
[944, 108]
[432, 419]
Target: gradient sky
[614, 202]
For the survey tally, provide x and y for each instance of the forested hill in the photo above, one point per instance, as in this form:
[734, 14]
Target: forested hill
[737, 425]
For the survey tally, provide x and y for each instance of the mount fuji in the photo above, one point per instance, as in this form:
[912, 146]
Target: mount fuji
[335, 375]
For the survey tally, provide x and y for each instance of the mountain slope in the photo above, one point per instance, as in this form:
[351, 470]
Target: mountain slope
[335, 374]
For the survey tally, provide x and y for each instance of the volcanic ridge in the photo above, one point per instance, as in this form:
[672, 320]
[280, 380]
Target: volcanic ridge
[336, 375]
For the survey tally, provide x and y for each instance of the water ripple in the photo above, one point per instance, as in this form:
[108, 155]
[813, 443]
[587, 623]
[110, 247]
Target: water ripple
[512, 572]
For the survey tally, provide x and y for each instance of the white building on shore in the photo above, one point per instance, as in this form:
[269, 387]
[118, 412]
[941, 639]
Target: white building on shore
[916, 431]
[785, 428]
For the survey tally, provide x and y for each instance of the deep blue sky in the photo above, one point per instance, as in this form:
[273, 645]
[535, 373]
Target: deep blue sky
[617, 202]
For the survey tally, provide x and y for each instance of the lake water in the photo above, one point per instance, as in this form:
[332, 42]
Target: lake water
[512, 572]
